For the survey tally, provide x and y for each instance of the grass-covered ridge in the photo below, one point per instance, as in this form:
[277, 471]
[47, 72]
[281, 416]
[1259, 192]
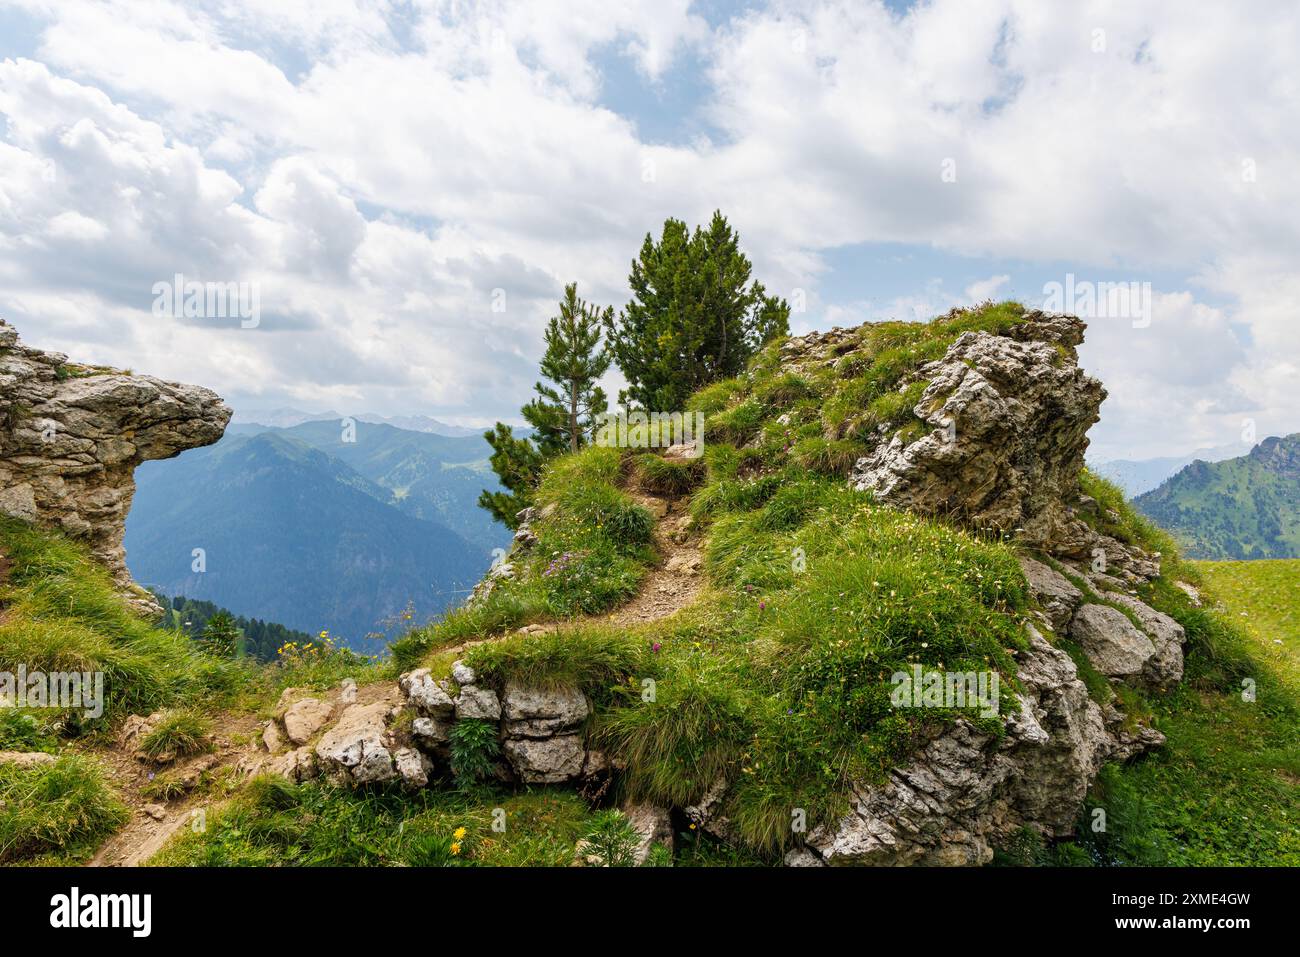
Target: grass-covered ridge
[778, 678]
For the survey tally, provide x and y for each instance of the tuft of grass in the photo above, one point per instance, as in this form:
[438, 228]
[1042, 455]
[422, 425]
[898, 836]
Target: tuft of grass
[737, 424]
[659, 475]
[56, 813]
[834, 458]
[1119, 519]
[594, 659]
[178, 734]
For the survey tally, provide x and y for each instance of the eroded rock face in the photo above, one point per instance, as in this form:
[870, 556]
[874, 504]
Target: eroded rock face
[71, 437]
[1054, 592]
[1010, 418]
[546, 760]
[356, 749]
[1165, 666]
[967, 791]
[542, 713]
[1111, 641]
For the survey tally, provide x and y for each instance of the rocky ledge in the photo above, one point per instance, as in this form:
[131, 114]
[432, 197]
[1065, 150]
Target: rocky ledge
[71, 436]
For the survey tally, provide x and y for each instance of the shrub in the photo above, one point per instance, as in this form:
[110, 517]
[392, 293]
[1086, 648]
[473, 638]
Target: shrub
[474, 749]
[611, 840]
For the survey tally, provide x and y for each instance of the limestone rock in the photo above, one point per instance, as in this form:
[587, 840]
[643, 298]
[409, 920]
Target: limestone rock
[412, 767]
[462, 673]
[71, 437]
[427, 696]
[542, 712]
[1165, 667]
[1112, 643]
[348, 691]
[356, 747]
[272, 738]
[431, 733]
[965, 791]
[297, 765]
[547, 761]
[1010, 421]
[478, 704]
[26, 759]
[306, 717]
[707, 814]
[1053, 591]
[653, 825]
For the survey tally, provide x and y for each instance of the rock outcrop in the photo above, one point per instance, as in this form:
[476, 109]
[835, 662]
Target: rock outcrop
[967, 791]
[1009, 416]
[71, 436]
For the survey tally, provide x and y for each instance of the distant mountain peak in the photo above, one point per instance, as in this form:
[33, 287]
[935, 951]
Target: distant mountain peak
[1243, 507]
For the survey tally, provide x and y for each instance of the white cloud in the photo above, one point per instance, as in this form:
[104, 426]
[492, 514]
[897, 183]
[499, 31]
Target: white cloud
[985, 289]
[381, 170]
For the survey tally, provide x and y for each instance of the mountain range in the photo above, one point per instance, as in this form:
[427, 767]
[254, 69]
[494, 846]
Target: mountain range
[1136, 476]
[317, 526]
[1245, 507]
[284, 418]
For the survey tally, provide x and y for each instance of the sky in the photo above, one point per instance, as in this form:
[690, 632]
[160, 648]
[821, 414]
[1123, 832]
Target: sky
[407, 186]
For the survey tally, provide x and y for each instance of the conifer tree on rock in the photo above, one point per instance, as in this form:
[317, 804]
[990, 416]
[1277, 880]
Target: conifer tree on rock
[564, 414]
[695, 316]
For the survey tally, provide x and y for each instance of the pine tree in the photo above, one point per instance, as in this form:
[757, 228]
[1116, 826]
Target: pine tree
[564, 414]
[518, 465]
[221, 636]
[695, 316]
